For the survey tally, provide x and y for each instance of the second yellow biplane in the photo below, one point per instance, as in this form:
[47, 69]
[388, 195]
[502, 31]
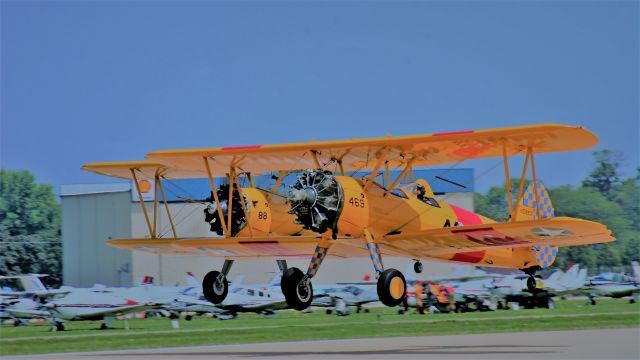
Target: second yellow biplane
[329, 211]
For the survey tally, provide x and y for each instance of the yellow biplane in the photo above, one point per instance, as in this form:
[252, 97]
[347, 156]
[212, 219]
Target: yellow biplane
[327, 211]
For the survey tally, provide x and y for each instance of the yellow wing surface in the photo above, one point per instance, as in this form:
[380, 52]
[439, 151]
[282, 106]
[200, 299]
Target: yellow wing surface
[561, 231]
[359, 154]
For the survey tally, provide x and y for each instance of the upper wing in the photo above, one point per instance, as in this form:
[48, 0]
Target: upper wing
[149, 169]
[559, 231]
[358, 154]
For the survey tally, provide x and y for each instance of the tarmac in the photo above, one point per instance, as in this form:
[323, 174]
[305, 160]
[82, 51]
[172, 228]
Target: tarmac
[576, 344]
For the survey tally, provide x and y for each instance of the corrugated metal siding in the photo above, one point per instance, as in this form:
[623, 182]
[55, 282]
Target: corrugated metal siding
[88, 221]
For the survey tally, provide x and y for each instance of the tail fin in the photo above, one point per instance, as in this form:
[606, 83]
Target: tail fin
[571, 273]
[275, 280]
[146, 280]
[530, 207]
[574, 277]
[32, 283]
[237, 281]
[555, 276]
[191, 280]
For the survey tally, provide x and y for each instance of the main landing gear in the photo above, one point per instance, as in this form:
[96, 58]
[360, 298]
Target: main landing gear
[296, 285]
[296, 288]
[392, 287]
[215, 285]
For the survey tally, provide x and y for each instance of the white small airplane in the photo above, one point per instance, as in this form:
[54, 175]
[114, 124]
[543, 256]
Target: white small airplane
[263, 299]
[341, 296]
[32, 287]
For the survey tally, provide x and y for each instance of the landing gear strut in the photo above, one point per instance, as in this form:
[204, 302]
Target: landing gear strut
[296, 286]
[392, 286]
[215, 285]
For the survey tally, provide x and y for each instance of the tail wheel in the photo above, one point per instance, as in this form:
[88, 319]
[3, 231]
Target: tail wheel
[417, 267]
[296, 288]
[215, 287]
[531, 283]
[392, 287]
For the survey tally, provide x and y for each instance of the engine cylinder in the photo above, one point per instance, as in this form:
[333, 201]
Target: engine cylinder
[322, 201]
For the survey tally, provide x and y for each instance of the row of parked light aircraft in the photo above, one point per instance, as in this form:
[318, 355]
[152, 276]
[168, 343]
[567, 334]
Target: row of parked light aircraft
[473, 289]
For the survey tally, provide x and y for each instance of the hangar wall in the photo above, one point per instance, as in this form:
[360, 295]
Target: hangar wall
[90, 215]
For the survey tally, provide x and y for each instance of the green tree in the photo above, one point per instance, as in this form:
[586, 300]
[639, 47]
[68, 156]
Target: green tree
[494, 203]
[30, 240]
[604, 177]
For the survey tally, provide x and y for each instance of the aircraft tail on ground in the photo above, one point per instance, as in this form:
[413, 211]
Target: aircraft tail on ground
[574, 277]
[191, 280]
[32, 283]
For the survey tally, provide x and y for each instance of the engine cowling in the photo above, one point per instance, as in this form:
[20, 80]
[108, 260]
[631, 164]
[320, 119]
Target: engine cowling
[322, 201]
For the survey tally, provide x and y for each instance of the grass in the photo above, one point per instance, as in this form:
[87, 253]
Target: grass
[291, 326]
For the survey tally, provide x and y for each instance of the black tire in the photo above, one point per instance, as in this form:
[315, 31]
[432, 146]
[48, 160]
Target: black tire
[188, 317]
[214, 291]
[417, 267]
[328, 311]
[531, 283]
[297, 293]
[392, 287]
[59, 326]
[103, 326]
[366, 311]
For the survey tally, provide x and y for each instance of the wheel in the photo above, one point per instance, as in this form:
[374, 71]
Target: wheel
[366, 311]
[531, 283]
[215, 287]
[103, 326]
[391, 287]
[328, 311]
[188, 317]
[358, 310]
[417, 267]
[59, 326]
[297, 290]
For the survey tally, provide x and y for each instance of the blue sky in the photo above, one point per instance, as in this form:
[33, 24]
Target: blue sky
[113, 80]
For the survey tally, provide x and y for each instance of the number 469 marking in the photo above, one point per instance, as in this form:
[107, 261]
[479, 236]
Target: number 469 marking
[354, 201]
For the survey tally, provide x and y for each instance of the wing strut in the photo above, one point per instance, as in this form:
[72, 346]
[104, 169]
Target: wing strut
[142, 204]
[528, 158]
[374, 172]
[214, 191]
[166, 206]
[402, 174]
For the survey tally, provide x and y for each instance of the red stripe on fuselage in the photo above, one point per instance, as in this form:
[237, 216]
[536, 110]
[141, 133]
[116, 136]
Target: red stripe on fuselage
[467, 217]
